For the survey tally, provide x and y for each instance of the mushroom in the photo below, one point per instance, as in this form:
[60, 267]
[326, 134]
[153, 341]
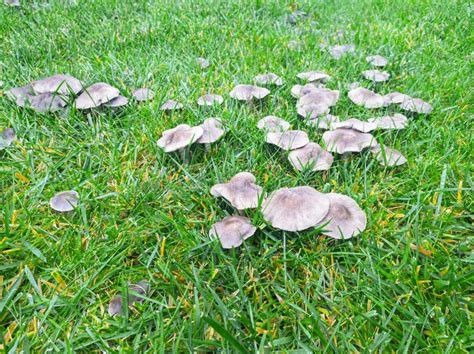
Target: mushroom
[345, 218]
[299, 91]
[369, 99]
[311, 156]
[293, 45]
[61, 84]
[297, 15]
[288, 140]
[241, 191]
[47, 102]
[232, 231]
[7, 138]
[203, 63]
[353, 85]
[136, 294]
[376, 75]
[248, 93]
[377, 60]
[171, 105]
[273, 124]
[347, 140]
[178, 138]
[21, 95]
[354, 123]
[312, 111]
[268, 79]
[95, 95]
[323, 122]
[338, 51]
[321, 95]
[388, 157]
[397, 121]
[212, 131]
[210, 100]
[64, 201]
[12, 3]
[313, 76]
[397, 97]
[118, 101]
[295, 209]
[143, 94]
[416, 105]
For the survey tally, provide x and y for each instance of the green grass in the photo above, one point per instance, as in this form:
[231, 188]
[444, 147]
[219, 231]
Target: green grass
[404, 285]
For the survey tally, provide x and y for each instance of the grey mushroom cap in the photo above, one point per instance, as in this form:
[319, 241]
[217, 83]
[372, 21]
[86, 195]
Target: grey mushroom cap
[212, 131]
[347, 140]
[397, 97]
[203, 63]
[295, 209]
[299, 91]
[96, 95]
[312, 111]
[313, 76]
[179, 137]
[47, 102]
[210, 100]
[241, 191]
[323, 122]
[321, 95]
[377, 60]
[416, 105]
[268, 79]
[369, 99]
[388, 157]
[61, 84]
[118, 101]
[13, 3]
[232, 231]
[397, 121]
[21, 95]
[338, 51]
[311, 155]
[354, 123]
[273, 124]
[248, 92]
[115, 306]
[136, 294]
[64, 201]
[376, 75]
[7, 137]
[345, 218]
[171, 105]
[143, 94]
[288, 140]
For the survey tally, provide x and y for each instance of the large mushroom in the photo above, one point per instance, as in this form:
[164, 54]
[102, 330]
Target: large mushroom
[210, 100]
[288, 140]
[320, 95]
[60, 84]
[396, 97]
[47, 102]
[313, 76]
[357, 124]
[376, 75]
[369, 99]
[171, 105]
[248, 93]
[63, 202]
[273, 124]
[323, 122]
[347, 140]
[312, 111]
[311, 156]
[241, 191]
[338, 51]
[345, 218]
[295, 209]
[397, 121]
[387, 156]
[269, 79]
[96, 95]
[299, 91]
[21, 95]
[377, 60]
[118, 101]
[416, 105]
[179, 137]
[212, 129]
[232, 231]
[143, 94]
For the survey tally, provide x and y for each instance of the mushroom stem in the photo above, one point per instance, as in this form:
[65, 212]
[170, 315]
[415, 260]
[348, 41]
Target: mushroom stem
[184, 155]
[284, 257]
[240, 212]
[207, 146]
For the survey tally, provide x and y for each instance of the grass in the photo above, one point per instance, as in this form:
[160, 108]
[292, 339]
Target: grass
[403, 285]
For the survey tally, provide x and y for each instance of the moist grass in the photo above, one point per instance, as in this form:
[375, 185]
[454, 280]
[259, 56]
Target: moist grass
[405, 284]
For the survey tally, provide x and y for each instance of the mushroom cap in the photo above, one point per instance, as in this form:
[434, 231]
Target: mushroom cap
[397, 121]
[299, 91]
[140, 289]
[64, 201]
[311, 155]
[248, 92]
[143, 94]
[13, 3]
[312, 76]
[115, 306]
[171, 105]
[416, 105]
[347, 140]
[354, 123]
[320, 95]
[203, 63]
[377, 60]
[338, 51]
[288, 140]
[273, 124]
[7, 137]
[61, 84]
[241, 191]
[95, 95]
[376, 75]
[212, 131]
[21, 95]
[47, 102]
[118, 101]
[268, 79]
[312, 111]
[397, 97]
[388, 156]
[345, 218]
[179, 137]
[369, 99]
[232, 231]
[323, 122]
[295, 209]
[209, 100]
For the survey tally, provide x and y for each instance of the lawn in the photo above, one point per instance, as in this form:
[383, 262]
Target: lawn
[403, 285]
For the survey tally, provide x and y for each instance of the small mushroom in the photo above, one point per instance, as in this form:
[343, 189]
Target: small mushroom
[268, 79]
[345, 218]
[321, 95]
[377, 60]
[115, 306]
[136, 294]
[369, 99]
[64, 201]
[397, 121]
[210, 100]
[143, 94]
[232, 231]
[60, 84]
[241, 191]
[299, 91]
[313, 76]
[288, 140]
[47, 102]
[21, 95]
[179, 137]
[118, 101]
[295, 209]
[388, 157]
[347, 140]
[273, 124]
[311, 156]
[7, 137]
[338, 51]
[354, 123]
[248, 92]
[416, 105]
[293, 45]
[212, 131]
[203, 63]
[171, 105]
[12, 3]
[323, 122]
[376, 75]
[397, 97]
[313, 111]
[96, 95]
